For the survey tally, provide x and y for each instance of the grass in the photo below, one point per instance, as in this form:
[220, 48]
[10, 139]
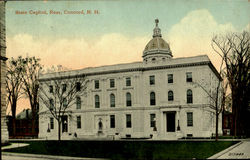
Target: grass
[127, 149]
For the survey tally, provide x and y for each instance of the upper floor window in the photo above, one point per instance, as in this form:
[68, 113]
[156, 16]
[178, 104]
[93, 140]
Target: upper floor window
[128, 81]
[128, 99]
[112, 100]
[78, 86]
[78, 122]
[152, 120]
[152, 98]
[50, 89]
[112, 83]
[189, 118]
[51, 123]
[189, 77]
[151, 80]
[65, 102]
[97, 101]
[64, 88]
[51, 102]
[97, 84]
[128, 121]
[112, 121]
[170, 95]
[78, 103]
[189, 96]
[170, 78]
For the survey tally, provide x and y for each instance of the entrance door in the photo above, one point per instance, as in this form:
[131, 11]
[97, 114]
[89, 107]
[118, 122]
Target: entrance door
[64, 123]
[170, 122]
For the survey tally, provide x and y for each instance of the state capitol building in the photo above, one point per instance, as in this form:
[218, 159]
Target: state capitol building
[153, 99]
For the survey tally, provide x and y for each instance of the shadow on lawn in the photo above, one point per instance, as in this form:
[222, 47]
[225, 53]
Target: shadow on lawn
[145, 150]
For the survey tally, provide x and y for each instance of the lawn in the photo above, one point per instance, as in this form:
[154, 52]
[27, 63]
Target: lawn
[127, 149]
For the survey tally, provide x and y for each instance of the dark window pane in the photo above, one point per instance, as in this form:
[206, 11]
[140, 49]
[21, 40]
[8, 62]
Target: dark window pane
[152, 98]
[189, 96]
[51, 123]
[189, 118]
[97, 101]
[170, 78]
[128, 81]
[151, 80]
[96, 84]
[78, 86]
[79, 122]
[112, 121]
[112, 83]
[128, 99]
[128, 121]
[170, 96]
[112, 100]
[152, 120]
[189, 77]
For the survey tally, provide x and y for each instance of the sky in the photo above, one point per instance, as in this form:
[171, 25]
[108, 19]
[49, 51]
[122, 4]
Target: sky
[120, 30]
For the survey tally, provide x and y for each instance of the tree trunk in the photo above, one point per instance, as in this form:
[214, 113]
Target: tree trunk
[59, 130]
[216, 126]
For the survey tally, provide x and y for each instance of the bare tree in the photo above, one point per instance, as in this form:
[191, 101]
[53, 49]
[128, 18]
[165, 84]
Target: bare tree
[14, 85]
[58, 94]
[217, 97]
[30, 76]
[234, 50]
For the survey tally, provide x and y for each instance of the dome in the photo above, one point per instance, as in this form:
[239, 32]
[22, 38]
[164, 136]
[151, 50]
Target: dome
[157, 46]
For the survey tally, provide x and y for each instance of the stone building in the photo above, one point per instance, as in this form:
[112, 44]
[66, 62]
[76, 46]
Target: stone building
[154, 99]
[4, 131]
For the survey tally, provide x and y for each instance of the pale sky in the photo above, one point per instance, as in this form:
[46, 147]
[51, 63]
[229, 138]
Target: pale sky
[121, 30]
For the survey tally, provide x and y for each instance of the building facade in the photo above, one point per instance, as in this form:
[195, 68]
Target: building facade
[4, 131]
[154, 99]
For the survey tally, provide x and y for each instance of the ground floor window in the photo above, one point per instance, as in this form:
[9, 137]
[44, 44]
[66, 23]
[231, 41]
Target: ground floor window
[152, 120]
[78, 121]
[112, 121]
[128, 121]
[51, 123]
[189, 118]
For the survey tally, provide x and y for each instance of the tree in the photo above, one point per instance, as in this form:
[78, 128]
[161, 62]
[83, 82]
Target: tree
[30, 76]
[14, 85]
[234, 50]
[64, 90]
[217, 97]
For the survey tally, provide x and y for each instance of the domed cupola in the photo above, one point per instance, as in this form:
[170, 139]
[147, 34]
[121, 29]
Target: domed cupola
[157, 48]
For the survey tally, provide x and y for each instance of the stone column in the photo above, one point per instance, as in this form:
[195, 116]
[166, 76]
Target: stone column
[4, 130]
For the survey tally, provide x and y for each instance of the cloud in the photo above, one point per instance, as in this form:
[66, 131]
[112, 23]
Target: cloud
[78, 53]
[193, 34]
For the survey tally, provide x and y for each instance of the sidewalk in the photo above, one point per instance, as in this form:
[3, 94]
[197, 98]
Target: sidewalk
[240, 150]
[22, 156]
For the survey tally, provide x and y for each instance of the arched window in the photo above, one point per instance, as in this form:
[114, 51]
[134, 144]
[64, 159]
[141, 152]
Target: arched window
[128, 99]
[97, 101]
[170, 95]
[189, 96]
[78, 103]
[112, 100]
[152, 98]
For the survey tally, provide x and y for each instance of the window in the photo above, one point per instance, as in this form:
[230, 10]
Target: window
[64, 88]
[189, 118]
[78, 122]
[51, 123]
[78, 103]
[152, 98]
[128, 99]
[78, 86]
[112, 121]
[51, 102]
[152, 120]
[97, 84]
[112, 100]
[189, 96]
[189, 76]
[112, 83]
[170, 96]
[50, 89]
[128, 121]
[151, 80]
[64, 102]
[97, 101]
[128, 81]
[170, 78]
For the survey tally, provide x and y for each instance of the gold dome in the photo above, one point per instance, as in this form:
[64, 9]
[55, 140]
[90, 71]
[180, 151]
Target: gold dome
[157, 45]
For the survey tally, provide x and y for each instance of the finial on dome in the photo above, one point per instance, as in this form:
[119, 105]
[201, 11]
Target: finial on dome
[156, 22]
[157, 30]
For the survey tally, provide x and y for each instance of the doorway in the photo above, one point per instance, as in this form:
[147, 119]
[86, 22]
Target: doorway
[170, 121]
[64, 123]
